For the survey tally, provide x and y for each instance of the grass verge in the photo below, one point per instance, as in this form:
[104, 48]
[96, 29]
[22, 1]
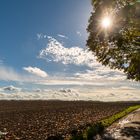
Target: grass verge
[99, 127]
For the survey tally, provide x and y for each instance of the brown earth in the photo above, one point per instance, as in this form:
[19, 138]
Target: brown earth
[40, 120]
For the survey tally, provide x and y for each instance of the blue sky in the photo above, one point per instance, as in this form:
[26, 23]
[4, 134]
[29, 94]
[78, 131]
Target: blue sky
[43, 54]
[22, 20]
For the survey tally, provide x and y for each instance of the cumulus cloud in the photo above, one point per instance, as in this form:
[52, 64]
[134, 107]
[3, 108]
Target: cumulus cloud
[11, 88]
[36, 71]
[56, 52]
[87, 93]
[65, 90]
[43, 95]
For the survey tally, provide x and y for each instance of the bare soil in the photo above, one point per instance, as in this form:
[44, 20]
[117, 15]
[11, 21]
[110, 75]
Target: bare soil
[41, 120]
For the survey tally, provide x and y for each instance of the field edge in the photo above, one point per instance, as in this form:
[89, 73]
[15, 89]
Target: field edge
[98, 128]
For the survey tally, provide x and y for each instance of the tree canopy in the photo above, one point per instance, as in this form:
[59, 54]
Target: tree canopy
[114, 35]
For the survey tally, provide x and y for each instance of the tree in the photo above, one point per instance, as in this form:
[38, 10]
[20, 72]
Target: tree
[114, 35]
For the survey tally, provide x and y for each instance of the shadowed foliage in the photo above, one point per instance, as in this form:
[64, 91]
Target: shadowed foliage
[117, 46]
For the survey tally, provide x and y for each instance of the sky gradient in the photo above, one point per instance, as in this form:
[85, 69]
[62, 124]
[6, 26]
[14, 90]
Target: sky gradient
[43, 54]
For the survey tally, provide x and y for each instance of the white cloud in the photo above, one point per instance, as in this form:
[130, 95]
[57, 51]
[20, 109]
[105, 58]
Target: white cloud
[43, 95]
[56, 52]
[10, 74]
[41, 36]
[124, 88]
[70, 81]
[36, 71]
[11, 88]
[102, 94]
[79, 33]
[101, 73]
[62, 36]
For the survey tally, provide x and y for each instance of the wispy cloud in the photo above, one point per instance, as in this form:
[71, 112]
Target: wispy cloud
[41, 36]
[10, 74]
[62, 36]
[78, 33]
[36, 71]
[101, 73]
[1, 62]
[79, 87]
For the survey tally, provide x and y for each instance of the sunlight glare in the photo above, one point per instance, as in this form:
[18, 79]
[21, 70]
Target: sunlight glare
[106, 22]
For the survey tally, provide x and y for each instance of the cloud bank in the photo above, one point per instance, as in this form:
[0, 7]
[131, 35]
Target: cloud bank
[71, 94]
[40, 94]
[92, 82]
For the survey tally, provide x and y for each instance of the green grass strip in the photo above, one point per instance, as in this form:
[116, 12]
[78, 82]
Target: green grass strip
[99, 127]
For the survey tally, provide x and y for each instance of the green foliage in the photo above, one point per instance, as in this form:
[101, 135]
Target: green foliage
[107, 122]
[119, 45]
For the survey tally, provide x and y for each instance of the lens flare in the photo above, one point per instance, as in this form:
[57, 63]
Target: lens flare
[106, 22]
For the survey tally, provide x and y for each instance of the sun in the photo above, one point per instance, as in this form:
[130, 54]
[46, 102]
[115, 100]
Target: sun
[106, 22]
